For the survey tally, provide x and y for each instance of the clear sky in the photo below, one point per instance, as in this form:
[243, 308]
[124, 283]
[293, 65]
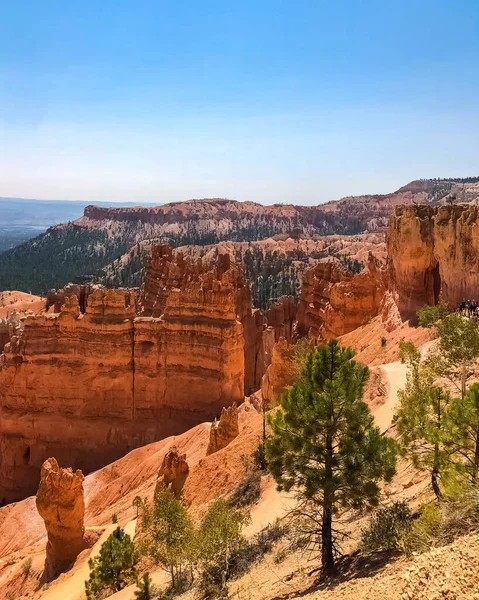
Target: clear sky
[265, 100]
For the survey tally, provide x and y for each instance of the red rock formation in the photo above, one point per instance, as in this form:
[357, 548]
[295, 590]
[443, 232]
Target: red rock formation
[169, 271]
[224, 431]
[281, 316]
[334, 302]
[173, 472]
[89, 386]
[280, 372]
[60, 503]
[433, 254]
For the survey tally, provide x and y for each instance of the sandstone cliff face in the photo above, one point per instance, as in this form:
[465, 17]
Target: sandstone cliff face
[60, 503]
[334, 302]
[224, 431]
[433, 254]
[279, 374]
[168, 271]
[87, 386]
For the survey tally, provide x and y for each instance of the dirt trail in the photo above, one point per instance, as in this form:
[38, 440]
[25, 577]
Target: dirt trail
[396, 377]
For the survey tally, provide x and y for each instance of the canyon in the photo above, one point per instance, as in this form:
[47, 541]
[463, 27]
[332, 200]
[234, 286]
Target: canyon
[123, 383]
[85, 247]
[103, 371]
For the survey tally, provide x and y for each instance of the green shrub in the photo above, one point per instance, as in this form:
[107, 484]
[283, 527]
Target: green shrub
[424, 530]
[387, 528]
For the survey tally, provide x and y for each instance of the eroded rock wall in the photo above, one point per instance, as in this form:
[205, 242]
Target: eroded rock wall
[334, 302]
[86, 387]
[433, 255]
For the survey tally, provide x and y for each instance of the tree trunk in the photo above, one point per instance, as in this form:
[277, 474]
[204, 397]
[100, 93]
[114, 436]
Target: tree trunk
[475, 467]
[435, 474]
[327, 556]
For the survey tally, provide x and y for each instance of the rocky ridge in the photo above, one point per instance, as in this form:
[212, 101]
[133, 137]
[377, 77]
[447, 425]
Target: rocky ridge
[86, 246]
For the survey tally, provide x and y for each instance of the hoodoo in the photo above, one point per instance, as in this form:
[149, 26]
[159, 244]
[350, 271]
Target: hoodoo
[61, 504]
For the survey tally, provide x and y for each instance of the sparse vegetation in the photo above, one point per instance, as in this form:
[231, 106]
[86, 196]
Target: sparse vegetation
[421, 417]
[387, 528]
[219, 536]
[247, 492]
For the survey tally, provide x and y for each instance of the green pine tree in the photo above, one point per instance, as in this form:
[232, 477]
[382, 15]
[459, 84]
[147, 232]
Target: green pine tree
[463, 430]
[325, 445]
[114, 567]
[145, 588]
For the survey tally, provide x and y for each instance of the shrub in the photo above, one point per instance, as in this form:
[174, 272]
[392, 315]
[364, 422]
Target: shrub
[248, 490]
[424, 530]
[27, 567]
[114, 518]
[383, 342]
[214, 578]
[387, 528]
[113, 568]
[249, 552]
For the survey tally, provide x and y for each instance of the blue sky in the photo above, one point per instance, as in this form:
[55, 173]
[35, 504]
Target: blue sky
[271, 101]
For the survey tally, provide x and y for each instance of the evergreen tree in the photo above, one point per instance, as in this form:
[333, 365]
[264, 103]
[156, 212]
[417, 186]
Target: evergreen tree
[145, 588]
[463, 430]
[458, 344]
[324, 443]
[422, 416]
[113, 568]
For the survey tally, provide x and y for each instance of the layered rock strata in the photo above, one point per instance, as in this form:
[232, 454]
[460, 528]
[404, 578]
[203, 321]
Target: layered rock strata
[334, 302]
[60, 503]
[91, 382]
[433, 255]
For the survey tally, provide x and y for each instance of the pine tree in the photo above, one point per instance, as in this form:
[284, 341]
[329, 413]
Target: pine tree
[422, 416]
[145, 590]
[458, 344]
[324, 443]
[463, 430]
[114, 567]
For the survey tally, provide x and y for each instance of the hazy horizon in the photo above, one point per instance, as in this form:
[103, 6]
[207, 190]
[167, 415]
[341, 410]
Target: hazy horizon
[302, 103]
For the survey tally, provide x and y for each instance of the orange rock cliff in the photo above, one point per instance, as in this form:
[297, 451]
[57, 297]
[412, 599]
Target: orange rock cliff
[433, 255]
[93, 381]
